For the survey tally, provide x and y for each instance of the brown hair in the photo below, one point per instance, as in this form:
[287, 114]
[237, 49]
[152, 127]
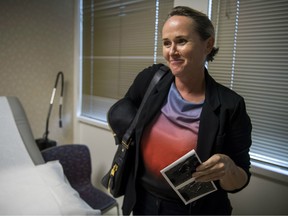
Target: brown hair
[204, 26]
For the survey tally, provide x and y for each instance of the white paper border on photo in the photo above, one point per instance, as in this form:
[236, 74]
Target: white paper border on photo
[178, 161]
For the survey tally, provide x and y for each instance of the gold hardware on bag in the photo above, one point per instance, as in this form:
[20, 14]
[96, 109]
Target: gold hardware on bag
[112, 174]
[114, 169]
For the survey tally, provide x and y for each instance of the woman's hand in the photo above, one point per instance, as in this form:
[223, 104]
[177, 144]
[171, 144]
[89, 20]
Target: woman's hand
[221, 167]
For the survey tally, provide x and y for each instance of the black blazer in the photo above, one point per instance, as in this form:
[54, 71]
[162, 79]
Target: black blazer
[225, 127]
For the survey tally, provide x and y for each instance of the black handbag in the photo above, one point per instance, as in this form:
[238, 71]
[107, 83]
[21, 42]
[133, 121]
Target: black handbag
[122, 115]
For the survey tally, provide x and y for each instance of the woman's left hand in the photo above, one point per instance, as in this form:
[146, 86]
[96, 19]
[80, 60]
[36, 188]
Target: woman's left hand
[214, 168]
[221, 167]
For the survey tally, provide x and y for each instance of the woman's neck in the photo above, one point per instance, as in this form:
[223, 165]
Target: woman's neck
[191, 88]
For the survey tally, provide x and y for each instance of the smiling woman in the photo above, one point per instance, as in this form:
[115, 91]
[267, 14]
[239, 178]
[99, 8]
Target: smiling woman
[187, 110]
[186, 52]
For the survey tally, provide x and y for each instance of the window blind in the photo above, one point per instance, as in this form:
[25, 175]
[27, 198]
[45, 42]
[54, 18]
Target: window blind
[252, 60]
[120, 38]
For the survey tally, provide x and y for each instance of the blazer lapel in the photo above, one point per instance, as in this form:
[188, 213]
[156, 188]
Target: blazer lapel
[156, 99]
[151, 108]
[209, 124]
[209, 120]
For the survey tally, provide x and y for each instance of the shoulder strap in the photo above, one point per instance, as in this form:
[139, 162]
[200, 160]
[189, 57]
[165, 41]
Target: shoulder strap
[126, 140]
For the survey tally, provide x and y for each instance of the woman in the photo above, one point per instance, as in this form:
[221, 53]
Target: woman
[187, 110]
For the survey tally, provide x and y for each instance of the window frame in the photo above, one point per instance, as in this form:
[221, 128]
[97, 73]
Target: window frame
[87, 109]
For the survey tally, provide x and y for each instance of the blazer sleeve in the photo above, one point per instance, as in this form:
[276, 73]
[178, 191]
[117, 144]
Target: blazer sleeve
[239, 139]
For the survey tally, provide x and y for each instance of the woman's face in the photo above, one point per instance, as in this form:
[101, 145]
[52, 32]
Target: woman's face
[183, 48]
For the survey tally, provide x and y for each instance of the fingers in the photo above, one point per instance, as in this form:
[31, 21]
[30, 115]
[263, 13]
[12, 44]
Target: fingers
[210, 177]
[212, 161]
[211, 170]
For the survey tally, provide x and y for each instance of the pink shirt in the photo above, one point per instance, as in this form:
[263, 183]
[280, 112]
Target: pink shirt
[171, 135]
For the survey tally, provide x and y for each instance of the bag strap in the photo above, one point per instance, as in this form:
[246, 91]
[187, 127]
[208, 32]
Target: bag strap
[126, 140]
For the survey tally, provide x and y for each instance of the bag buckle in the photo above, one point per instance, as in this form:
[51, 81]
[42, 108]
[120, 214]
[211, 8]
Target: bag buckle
[111, 179]
[127, 143]
[114, 169]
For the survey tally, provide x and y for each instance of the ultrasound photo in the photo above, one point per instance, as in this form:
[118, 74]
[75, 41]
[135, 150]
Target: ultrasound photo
[179, 176]
[183, 171]
[195, 189]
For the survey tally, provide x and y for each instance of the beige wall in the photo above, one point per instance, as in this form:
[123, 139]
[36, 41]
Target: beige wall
[36, 42]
